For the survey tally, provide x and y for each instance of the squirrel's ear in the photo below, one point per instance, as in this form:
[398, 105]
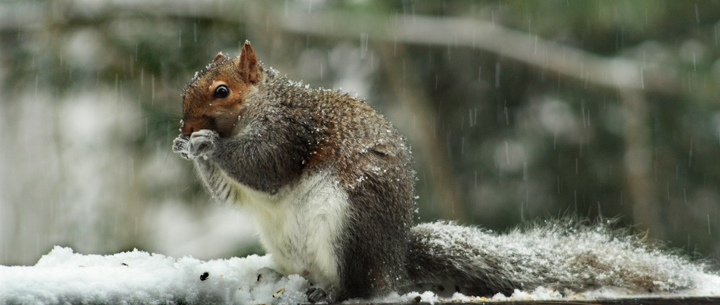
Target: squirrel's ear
[218, 58]
[248, 65]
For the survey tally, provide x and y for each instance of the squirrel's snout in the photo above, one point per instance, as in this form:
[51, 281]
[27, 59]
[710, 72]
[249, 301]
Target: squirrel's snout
[188, 128]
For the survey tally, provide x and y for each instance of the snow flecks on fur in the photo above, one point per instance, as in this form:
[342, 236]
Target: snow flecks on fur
[344, 130]
[561, 255]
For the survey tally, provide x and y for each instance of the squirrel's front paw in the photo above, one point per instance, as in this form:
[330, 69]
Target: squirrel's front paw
[180, 146]
[202, 144]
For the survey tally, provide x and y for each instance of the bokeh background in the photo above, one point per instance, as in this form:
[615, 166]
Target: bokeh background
[516, 111]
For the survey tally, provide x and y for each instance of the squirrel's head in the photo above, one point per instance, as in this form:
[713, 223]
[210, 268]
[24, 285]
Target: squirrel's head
[215, 98]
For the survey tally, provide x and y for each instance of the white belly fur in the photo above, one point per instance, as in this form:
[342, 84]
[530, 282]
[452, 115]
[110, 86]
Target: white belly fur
[300, 225]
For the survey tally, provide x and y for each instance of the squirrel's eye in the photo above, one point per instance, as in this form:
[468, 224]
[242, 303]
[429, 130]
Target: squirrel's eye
[222, 91]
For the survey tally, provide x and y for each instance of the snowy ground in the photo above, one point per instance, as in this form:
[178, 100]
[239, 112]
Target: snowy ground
[139, 277]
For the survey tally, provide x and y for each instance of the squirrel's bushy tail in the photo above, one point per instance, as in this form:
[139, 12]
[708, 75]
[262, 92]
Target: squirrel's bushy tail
[560, 254]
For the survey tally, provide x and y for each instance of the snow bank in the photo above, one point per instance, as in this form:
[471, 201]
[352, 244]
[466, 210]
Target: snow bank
[139, 277]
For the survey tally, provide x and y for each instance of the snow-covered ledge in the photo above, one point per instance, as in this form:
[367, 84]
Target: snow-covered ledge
[138, 277]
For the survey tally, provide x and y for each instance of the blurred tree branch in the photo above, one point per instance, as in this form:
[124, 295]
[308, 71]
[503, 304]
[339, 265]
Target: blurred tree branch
[453, 31]
[413, 29]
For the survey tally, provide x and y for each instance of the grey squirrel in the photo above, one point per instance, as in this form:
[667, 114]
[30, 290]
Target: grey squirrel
[330, 183]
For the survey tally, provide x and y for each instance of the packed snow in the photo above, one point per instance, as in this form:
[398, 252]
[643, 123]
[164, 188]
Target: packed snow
[139, 277]
[63, 276]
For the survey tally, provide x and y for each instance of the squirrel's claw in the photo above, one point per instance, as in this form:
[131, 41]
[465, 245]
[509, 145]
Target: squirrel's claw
[180, 146]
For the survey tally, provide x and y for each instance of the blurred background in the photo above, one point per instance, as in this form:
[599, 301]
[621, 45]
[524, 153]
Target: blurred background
[516, 111]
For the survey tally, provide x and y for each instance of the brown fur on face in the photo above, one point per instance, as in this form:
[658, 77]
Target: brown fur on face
[202, 110]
